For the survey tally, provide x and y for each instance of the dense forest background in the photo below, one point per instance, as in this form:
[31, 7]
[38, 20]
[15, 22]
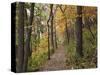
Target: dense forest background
[55, 37]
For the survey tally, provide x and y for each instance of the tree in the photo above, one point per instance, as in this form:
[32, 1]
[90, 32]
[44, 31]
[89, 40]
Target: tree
[20, 37]
[55, 34]
[52, 28]
[27, 51]
[66, 27]
[49, 32]
[79, 48]
[48, 38]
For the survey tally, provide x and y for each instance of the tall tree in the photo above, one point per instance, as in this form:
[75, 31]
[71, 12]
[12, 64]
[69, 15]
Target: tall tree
[55, 35]
[27, 51]
[79, 48]
[20, 37]
[49, 34]
[52, 28]
[67, 33]
[48, 38]
[66, 27]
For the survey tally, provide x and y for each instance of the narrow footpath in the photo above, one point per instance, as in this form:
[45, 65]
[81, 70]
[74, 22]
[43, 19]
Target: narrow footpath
[57, 61]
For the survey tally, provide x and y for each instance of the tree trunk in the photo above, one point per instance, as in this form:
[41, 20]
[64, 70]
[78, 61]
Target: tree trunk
[52, 40]
[66, 28]
[48, 41]
[79, 48]
[49, 36]
[67, 34]
[20, 37]
[55, 39]
[27, 50]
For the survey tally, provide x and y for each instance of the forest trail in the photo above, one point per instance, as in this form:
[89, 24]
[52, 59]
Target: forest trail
[57, 61]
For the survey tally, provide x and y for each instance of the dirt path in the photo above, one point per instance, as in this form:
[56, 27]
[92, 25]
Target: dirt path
[57, 61]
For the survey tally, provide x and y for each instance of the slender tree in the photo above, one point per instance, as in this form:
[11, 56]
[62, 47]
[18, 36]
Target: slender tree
[48, 38]
[55, 35]
[79, 48]
[49, 35]
[55, 32]
[67, 33]
[52, 28]
[20, 37]
[27, 51]
[66, 27]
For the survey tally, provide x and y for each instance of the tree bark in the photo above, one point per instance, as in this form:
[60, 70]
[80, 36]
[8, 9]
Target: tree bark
[52, 40]
[49, 36]
[55, 38]
[79, 42]
[67, 33]
[48, 39]
[20, 37]
[27, 50]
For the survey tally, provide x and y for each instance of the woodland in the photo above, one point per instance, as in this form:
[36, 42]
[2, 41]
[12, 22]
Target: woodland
[55, 37]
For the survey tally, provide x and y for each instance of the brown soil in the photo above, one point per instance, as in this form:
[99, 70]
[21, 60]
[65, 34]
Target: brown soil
[57, 61]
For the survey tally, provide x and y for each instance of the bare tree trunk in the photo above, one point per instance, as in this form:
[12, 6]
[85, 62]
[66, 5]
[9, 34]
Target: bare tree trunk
[52, 40]
[49, 36]
[50, 19]
[28, 39]
[55, 39]
[67, 33]
[48, 39]
[20, 37]
[79, 42]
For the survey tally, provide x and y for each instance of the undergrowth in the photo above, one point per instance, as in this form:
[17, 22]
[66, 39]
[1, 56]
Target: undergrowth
[89, 60]
[39, 56]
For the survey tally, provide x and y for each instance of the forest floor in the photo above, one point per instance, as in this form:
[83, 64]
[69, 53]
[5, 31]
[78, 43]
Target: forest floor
[57, 61]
